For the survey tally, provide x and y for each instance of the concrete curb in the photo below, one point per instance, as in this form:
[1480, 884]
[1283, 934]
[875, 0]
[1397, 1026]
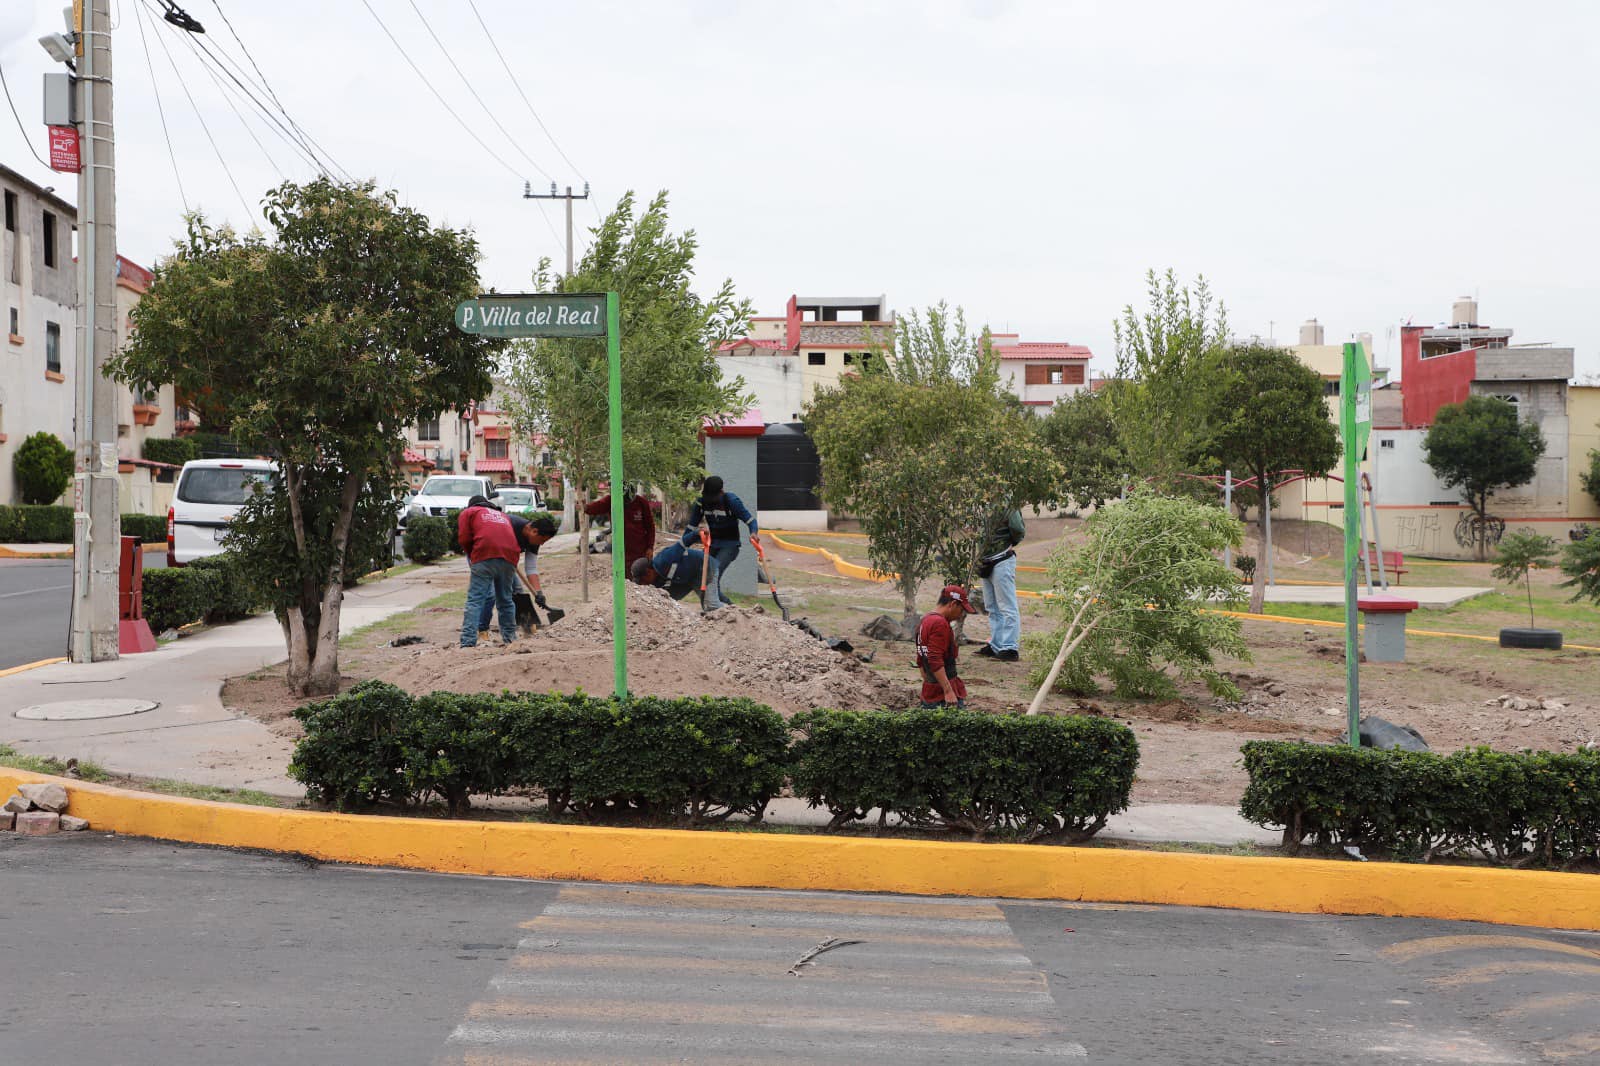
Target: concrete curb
[12, 553]
[31, 666]
[914, 867]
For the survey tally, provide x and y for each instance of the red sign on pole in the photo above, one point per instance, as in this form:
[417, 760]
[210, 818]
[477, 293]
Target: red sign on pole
[64, 149]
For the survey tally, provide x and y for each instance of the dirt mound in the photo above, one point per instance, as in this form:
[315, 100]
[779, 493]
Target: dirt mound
[673, 650]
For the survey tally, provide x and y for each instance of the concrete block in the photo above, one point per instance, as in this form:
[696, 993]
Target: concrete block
[38, 823]
[18, 803]
[71, 824]
[45, 796]
[8, 819]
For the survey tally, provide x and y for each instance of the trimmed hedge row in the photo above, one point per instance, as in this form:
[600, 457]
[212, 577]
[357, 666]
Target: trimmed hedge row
[426, 538]
[1510, 807]
[700, 760]
[207, 590]
[173, 450]
[149, 528]
[30, 523]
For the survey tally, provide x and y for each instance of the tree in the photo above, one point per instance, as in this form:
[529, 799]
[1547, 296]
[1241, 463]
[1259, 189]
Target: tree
[1080, 432]
[1591, 477]
[1520, 552]
[924, 451]
[43, 468]
[1157, 398]
[1580, 561]
[1264, 414]
[670, 379]
[1480, 445]
[322, 343]
[1134, 598]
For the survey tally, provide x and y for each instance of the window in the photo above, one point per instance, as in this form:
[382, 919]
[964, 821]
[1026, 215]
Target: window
[229, 486]
[817, 358]
[16, 323]
[496, 449]
[428, 429]
[849, 358]
[1386, 444]
[52, 347]
[1330, 388]
[11, 211]
[49, 225]
[1058, 375]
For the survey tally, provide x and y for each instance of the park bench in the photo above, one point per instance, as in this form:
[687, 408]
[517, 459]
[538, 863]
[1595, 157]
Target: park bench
[1394, 563]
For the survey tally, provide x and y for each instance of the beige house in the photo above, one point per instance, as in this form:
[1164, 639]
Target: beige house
[785, 359]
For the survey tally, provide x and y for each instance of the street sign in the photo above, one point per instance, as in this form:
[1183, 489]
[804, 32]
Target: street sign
[64, 149]
[561, 314]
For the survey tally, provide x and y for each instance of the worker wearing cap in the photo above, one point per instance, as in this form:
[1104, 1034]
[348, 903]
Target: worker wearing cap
[936, 650]
[722, 512]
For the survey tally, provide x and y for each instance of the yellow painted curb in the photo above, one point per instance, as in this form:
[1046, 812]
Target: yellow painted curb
[8, 553]
[32, 666]
[915, 867]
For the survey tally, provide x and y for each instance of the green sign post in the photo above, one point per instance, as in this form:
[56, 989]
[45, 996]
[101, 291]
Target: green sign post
[1355, 424]
[573, 314]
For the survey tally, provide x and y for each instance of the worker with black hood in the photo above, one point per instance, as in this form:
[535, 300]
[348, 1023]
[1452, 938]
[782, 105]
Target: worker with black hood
[721, 511]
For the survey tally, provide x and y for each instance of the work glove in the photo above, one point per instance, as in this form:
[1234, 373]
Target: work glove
[538, 597]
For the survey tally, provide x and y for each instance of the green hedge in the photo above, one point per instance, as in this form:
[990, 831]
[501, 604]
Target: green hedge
[426, 539]
[1510, 807]
[1030, 778]
[700, 760]
[174, 450]
[232, 596]
[38, 524]
[149, 528]
[692, 761]
[212, 590]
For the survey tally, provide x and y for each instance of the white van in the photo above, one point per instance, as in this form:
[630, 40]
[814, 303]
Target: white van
[208, 494]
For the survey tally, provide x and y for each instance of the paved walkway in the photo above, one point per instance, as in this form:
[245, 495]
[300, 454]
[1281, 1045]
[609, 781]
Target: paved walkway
[192, 737]
[1425, 595]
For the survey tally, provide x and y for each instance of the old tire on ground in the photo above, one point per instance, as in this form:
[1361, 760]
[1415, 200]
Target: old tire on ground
[1549, 639]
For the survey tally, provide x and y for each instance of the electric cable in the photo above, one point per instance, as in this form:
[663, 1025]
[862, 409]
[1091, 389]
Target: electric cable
[227, 96]
[23, 129]
[155, 90]
[517, 85]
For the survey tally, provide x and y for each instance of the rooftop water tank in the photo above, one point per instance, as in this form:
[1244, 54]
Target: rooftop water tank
[1310, 332]
[1464, 312]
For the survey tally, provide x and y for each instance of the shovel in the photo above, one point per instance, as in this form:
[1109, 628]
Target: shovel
[705, 565]
[772, 582]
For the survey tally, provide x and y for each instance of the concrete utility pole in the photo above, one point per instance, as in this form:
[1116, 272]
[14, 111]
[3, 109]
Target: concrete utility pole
[97, 531]
[568, 196]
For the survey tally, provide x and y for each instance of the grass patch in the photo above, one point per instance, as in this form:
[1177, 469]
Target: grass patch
[393, 571]
[215, 793]
[46, 764]
[455, 600]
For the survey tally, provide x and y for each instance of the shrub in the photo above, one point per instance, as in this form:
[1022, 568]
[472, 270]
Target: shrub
[1512, 807]
[232, 595]
[36, 524]
[149, 528]
[353, 754]
[1029, 777]
[176, 596]
[452, 521]
[1246, 565]
[426, 539]
[43, 467]
[174, 450]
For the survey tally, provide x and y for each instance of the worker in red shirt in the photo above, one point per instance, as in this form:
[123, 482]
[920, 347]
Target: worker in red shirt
[491, 547]
[638, 525]
[936, 650]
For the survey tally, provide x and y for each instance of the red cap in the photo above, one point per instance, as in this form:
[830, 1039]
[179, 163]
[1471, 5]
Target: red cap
[957, 594]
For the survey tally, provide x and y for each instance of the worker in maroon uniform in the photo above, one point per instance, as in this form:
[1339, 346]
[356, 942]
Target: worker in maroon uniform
[936, 650]
[638, 525]
[490, 544]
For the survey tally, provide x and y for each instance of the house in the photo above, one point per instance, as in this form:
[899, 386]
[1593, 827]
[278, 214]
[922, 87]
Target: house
[1041, 372]
[445, 441]
[146, 486]
[785, 359]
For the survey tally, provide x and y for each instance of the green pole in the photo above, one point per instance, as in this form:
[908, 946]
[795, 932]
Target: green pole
[1352, 536]
[619, 601]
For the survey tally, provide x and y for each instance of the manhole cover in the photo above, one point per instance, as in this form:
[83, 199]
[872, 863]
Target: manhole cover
[78, 710]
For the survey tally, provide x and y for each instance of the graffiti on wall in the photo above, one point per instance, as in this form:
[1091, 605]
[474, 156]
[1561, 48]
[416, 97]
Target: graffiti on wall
[1418, 534]
[1470, 526]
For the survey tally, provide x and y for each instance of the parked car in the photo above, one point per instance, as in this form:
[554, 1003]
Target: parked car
[443, 493]
[208, 494]
[514, 499]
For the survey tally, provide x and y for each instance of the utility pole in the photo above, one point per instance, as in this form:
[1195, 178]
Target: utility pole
[568, 500]
[97, 533]
[568, 196]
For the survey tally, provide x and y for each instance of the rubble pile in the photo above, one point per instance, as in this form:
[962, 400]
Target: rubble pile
[38, 810]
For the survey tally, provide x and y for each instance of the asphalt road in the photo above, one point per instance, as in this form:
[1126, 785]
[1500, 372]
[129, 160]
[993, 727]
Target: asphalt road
[36, 607]
[134, 952]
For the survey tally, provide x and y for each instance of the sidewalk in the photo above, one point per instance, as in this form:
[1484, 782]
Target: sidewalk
[191, 737]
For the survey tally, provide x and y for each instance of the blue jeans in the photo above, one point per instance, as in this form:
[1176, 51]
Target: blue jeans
[723, 552]
[493, 581]
[1000, 597]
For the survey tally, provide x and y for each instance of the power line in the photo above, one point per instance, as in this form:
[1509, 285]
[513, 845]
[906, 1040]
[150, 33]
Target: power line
[518, 86]
[155, 90]
[185, 87]
[23, 129]
[468, 83]
[227, 96]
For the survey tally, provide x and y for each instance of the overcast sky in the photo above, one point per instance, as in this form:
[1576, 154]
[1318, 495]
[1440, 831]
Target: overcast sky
[1364, 163]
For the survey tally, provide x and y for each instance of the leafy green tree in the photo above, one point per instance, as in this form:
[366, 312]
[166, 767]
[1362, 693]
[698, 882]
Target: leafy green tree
[1580, 561]
[1591, 477]
[1479, 446]
[43, 468]
[322, 343]
[1520, 552]
[670, 379]
[1158, 397]
[1264, 414]
[1134, 598]
[1081, 433]
[924, 451]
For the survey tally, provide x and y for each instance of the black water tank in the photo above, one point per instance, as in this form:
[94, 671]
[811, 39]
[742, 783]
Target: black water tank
[787, 469]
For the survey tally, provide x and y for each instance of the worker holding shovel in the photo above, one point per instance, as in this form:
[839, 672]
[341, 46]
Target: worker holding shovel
[677, 568]
[531, 534]
[721, 511]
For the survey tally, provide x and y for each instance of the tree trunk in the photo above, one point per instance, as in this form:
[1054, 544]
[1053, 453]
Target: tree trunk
[908, 594]
[1481, 544]
[1069, 642]
[1258, 580]
[583, 543]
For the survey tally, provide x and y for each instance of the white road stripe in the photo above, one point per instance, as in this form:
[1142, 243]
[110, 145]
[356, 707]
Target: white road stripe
[660, 1039]
[843, 923]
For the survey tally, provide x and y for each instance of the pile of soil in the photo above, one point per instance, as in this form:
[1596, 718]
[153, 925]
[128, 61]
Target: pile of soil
[673, 650]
